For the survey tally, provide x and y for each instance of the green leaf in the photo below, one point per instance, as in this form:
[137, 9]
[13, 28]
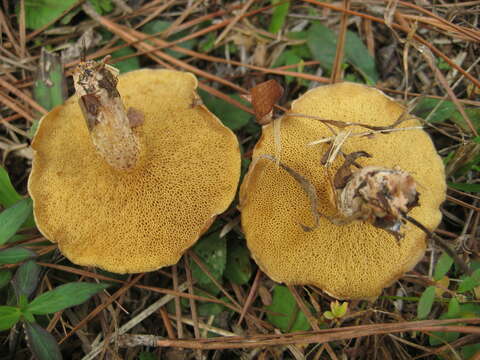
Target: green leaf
[9, 316]
[203, 310]
[210, 309]
[465, 187]
[453, 308]
[337, 310]
[442, 338]
[239, 266]
[128, 64]
[8, 194]
[288, 57]
[147, 356]
[302, 50]
[470, 310]
[102, 6]
[22, 302]
[158, 26]
[5, 277]
[39, 13]
[341, 310]
[329, 315]
[12, 218]
[15, 255]
[323, 44]
[470, 282]
[33, 128]
[279, 15]
[443, 65]
[468, 351]
[443, 112]
[49, 88]
[356, 54]
[68, 17]
[472, 113]
[425, 303]
[289, 317]
[475, 265]
[27, 316]
[207, 43]
[26, 278]
[444, 264]
[63, 297]
[213, 252]
[231, 116]
[42, 344]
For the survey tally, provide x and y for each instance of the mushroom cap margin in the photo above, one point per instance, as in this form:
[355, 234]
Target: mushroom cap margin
[354, 261]
[145, 218]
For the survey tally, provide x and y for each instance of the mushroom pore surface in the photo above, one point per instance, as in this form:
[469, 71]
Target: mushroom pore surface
[144, 218]
[351, 261]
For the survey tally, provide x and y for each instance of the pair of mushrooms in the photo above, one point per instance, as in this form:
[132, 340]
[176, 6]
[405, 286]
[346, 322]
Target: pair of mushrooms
[138, 184]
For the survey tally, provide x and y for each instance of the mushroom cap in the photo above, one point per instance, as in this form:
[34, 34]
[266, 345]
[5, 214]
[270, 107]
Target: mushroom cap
[354, 261]
[145, 218]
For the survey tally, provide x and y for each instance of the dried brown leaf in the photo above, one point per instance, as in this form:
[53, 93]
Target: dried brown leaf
[264, 98]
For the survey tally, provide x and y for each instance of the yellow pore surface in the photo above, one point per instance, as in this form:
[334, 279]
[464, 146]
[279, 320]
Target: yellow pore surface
[352, 261]
[145, 218]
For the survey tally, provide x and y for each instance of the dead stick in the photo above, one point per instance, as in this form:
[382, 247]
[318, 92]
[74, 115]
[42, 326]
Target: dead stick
[442, 243]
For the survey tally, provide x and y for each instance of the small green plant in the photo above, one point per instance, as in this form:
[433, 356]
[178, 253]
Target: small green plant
[17, 214]
[337, 310]
[462, 302]
[42, 344]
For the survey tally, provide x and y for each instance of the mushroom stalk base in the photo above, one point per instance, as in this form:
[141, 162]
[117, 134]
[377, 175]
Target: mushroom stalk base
[379, 196]
[105, 115]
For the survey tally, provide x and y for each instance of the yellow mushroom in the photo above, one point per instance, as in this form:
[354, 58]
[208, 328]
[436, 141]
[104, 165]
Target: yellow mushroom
[131, 190]
[350, 259]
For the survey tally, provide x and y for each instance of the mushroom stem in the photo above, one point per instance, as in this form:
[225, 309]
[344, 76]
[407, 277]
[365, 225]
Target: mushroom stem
[105, 115]
[379, 196]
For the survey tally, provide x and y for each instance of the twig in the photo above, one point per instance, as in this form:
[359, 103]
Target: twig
[366, 133]
[193, 306]
[134, 322]
[22, 96]
[233, 22]
[321, 336]
[207, 272]
[442, 243]
[8, 101]
[100, 308]
[21, 30]
[251, 296]
[428, 56]
[167, 323]
[337, 64]
[178, 21]
[178, 308]
[404, 29]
